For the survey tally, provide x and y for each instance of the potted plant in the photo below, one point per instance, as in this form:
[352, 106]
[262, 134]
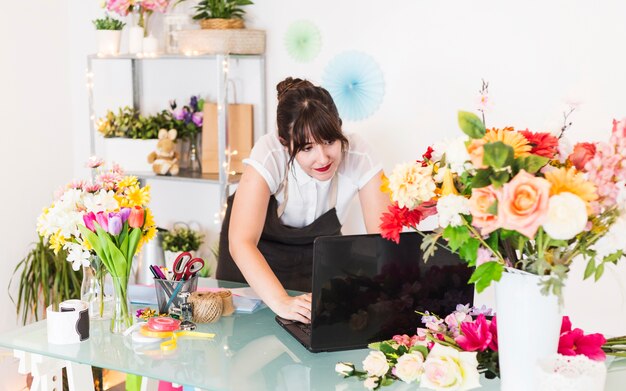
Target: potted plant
[108, 35]
[221, 14]
[46, 278]
[178, 239]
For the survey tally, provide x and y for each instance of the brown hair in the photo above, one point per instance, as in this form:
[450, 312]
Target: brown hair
[306, 113]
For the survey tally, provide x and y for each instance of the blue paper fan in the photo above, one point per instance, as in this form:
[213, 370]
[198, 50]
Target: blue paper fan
[303, 41]
[356, 84]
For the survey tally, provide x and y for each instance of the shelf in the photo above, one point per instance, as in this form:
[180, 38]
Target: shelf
[164, 56]
[185, 176]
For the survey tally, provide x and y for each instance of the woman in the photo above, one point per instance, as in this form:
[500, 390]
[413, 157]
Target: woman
[297, 185]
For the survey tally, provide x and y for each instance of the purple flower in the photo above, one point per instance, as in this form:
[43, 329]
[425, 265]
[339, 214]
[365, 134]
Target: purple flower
[484, 310]
[124, 212]
[463, 308]
[193, 102]
[178, 114]
[187, 115]
[197, 119]
[115, 224]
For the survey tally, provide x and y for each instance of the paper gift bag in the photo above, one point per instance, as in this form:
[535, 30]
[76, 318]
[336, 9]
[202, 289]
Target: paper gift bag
[240, 136]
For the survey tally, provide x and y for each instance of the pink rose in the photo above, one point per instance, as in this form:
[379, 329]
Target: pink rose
[583, 152]
[479, 202]
[523, 204]
[476, 152]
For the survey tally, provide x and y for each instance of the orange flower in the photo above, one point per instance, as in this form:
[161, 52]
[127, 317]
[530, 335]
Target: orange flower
[511, 137]
[480, 202]
[571, 181]
[523, 205]
[476, 152]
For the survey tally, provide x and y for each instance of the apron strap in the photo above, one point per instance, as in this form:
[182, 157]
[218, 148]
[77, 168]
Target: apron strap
[332, 193]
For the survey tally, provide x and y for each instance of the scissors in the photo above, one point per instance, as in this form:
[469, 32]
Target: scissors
[185, 266]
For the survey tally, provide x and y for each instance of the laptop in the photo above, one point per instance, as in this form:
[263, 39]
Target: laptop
[366, 289]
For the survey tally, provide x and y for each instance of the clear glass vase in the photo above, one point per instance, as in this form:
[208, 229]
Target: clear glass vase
[194, 155]
[122, 318]
[92, 290]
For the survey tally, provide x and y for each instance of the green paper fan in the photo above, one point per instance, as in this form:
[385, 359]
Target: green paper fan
[303, 41]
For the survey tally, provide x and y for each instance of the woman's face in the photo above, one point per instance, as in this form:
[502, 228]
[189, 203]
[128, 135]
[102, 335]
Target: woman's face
[320, 161]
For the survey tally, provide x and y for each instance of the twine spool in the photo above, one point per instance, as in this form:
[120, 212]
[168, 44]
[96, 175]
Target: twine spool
[228, 308]
[207, 306]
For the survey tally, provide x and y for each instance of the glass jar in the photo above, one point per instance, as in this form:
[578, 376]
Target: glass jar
[174, 23]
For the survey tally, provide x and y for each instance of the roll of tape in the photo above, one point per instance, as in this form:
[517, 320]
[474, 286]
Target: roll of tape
[68, 325]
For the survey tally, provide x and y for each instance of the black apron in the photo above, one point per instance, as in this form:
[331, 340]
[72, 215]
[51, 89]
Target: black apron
[288, 250]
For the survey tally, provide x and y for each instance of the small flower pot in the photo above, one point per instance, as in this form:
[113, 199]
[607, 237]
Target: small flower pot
[220, 24]
[108, 42]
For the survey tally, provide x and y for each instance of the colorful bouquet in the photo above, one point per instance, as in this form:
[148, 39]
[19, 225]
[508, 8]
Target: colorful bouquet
[145, 8]
[188, 119]
[107, 217]
[516, 198]
[451, 352]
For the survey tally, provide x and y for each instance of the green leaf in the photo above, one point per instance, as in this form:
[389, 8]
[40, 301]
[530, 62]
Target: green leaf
[481, 179]
[469, 251]
[532, 163]
[456, 236]
[613, 258]
[385, 381]
[133, 242]
[599, 271]
[386, 348]
[485, 274]
[117, 258]
[590, 269]
[499, 178]
[374, 345]
[419, 348]
[497, 154]
[471, 124]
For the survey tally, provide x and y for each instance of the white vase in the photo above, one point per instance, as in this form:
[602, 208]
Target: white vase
[529, 325]
[135, 39]
[108, 42]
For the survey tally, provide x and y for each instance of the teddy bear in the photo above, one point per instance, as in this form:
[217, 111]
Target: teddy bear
[165, 159]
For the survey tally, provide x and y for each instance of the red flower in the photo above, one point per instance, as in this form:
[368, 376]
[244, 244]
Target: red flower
[583, 152]
[493, 329]
[426, 157]
[392, 223]
[136, 217]
[475, 335]
[575, 342]
[543, 144]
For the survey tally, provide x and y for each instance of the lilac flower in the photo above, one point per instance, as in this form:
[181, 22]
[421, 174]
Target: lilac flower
[115, 224]
[187, 115]
[484, 310]
[463, 308]
[197, 119]
[178, 114]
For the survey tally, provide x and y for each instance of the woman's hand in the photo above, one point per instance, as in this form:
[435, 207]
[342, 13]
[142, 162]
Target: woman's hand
[294, 308]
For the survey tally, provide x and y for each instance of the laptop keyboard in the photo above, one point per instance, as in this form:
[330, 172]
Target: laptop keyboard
[306, 328]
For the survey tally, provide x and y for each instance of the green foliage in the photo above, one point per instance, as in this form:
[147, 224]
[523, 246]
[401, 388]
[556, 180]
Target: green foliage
[46, 278]
[456, 236]
[182, 238]
[223, 9]
[471, 124]
[498, 154]
[128, 123]
[485, 274]
[108, 23]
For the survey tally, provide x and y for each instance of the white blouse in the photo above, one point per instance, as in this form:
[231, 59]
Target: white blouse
[308, 197]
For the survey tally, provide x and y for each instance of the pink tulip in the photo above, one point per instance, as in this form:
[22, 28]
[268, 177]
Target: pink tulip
[475, 335]
[88, 219]
[102, 219]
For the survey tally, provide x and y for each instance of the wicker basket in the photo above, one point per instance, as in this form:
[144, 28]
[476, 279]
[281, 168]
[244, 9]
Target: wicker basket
[233, 41]
[221, 24]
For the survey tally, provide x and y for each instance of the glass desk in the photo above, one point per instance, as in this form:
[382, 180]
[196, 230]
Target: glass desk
[249, 352]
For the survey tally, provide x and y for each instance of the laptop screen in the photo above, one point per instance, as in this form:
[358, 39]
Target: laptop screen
[367, 288]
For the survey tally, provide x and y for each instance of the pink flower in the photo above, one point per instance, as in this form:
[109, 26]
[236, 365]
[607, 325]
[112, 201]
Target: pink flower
[575, 342]
[475, 335]
[88, 219]
[406, 340]
[102, 219]
[493, 329]
[479, 203]
[619, 128]
[583, 152]
[94, 162]
[155, 5]
[523, 205]
[477, 152]
[483, 256]
[120, 7]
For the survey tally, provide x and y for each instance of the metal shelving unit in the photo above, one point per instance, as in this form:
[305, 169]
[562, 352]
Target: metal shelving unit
[222, 63]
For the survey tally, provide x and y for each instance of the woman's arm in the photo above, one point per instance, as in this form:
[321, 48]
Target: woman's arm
[246, 225]
[373, 203]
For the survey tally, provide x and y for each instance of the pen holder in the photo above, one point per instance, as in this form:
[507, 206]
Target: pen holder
[167, 292]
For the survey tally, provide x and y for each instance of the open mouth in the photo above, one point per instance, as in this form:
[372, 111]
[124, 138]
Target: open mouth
[323, 169]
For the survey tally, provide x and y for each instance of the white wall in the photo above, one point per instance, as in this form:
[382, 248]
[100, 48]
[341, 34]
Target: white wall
[36, 113]
[537, 55]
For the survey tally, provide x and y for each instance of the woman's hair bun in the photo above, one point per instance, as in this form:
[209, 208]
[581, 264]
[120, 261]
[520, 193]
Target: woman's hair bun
[291, 83]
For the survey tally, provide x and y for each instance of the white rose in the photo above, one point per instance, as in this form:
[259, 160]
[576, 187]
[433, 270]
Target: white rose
[567, 216]
[455, 152]
[344, 368]
[375, 364]
[409, 367]
[446, 368]
[411, 184]
[371, 382]
[450, 208]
